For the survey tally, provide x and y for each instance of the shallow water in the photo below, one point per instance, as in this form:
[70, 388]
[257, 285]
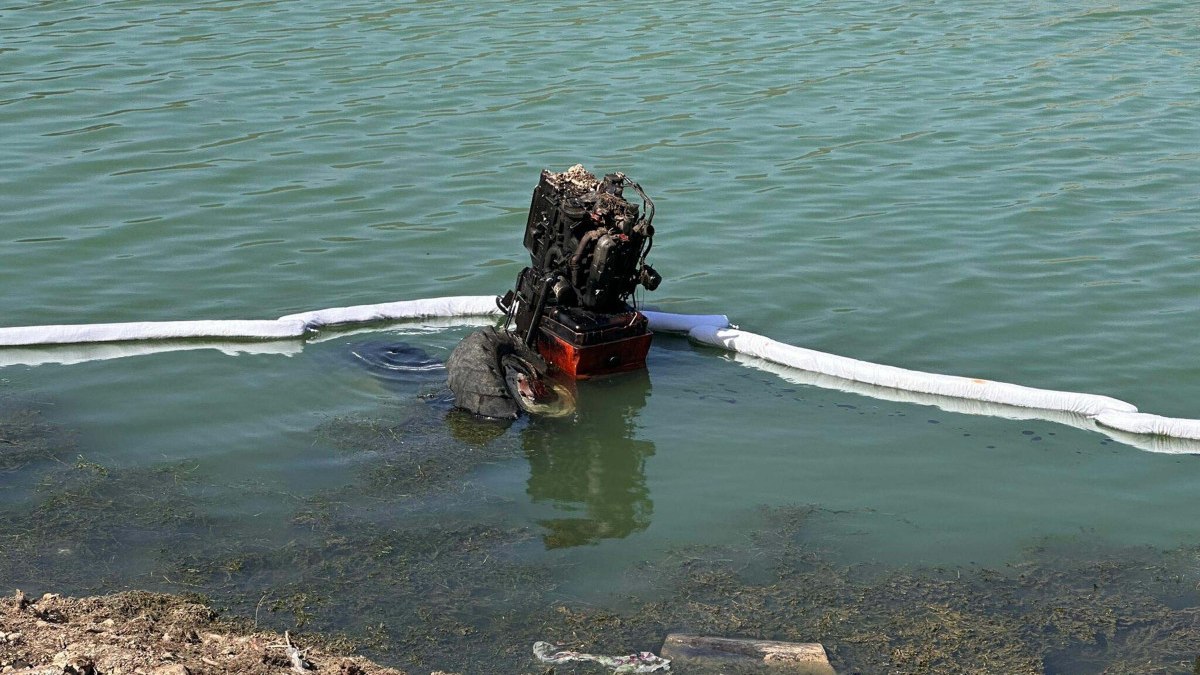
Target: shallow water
[1005, 192]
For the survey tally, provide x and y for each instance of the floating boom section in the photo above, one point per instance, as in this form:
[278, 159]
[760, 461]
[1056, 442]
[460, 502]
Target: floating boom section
[708, 329]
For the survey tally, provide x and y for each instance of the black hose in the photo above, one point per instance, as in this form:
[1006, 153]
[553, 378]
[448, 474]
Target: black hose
[538, 308]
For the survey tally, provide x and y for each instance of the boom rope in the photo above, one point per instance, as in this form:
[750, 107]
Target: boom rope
[714, 330]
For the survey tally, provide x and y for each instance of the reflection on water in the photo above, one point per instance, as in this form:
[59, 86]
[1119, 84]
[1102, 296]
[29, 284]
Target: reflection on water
[591, 467]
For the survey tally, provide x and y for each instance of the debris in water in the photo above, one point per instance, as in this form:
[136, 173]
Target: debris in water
[641, 662]
[799, 658]
[495, 375]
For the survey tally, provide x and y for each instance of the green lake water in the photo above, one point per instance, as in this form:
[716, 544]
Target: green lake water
[1000, 190]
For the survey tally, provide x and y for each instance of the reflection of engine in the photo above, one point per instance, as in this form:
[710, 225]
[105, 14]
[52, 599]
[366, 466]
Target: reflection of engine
[589, 469]
[587, 247]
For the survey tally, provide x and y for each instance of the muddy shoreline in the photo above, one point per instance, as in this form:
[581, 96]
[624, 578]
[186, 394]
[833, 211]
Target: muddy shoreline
[138, 633]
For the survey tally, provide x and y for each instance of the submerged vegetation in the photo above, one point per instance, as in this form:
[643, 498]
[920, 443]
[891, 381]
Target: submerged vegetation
[425, 569]
[26, 438]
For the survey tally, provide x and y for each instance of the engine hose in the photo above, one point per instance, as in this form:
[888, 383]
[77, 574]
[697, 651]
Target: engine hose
[539, 308]
[584, 241]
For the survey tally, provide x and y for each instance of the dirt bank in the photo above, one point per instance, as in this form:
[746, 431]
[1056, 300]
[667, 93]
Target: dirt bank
[151, 634]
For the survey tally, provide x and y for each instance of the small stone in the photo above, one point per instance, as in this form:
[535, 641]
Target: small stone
[49, 596]
[171, 669]
[80, 666]
[109, 623]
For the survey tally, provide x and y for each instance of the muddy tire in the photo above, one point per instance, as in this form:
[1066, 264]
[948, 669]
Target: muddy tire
[477, 373]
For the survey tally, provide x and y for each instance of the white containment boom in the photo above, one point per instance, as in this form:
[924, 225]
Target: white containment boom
[710, 329]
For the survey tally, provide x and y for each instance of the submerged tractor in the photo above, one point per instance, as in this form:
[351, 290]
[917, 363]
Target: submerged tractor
[571, 315]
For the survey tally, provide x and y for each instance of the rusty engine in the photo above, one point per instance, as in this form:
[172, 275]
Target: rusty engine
[571, 315]
[587, 246]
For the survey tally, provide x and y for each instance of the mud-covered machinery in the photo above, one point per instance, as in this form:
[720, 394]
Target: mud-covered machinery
[587, 246]
[571, 313]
